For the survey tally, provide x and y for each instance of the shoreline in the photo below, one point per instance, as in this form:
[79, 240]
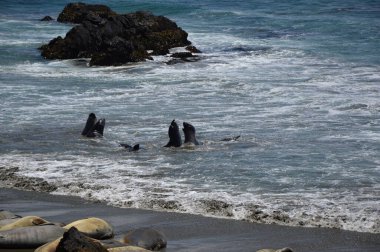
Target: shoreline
[186, 232]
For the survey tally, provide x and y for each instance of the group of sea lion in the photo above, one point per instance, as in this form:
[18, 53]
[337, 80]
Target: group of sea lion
[90, 234]
[175, 139]
[95, 128]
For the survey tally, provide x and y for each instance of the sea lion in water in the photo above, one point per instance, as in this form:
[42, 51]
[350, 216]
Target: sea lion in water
[24, 222]
[229, 139]
[174, 135]
[189, 132]
[93, 126]
[93, 227]
[130, 148]
[147, 238]
[30, 237]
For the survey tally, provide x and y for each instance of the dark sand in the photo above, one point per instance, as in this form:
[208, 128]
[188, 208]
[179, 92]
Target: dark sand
[187, 232]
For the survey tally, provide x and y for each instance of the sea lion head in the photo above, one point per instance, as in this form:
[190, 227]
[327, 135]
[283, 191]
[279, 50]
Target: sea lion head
[189, 132]
[91, 120]
[174, 135]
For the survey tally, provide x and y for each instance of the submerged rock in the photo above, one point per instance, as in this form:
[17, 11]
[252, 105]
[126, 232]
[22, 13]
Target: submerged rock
[47, 18]
[112, 39]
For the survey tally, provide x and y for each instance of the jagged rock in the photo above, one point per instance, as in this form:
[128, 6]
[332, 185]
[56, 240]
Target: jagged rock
[10, 178]
[47, 18]
[78, 12]
[111, 39]
[182, 55]
[75, 241]
[192, 49]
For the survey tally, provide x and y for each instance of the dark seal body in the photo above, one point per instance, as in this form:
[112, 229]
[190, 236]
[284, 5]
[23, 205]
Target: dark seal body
[93, 125]
[147, 238]
[174, 135]
[189, 132]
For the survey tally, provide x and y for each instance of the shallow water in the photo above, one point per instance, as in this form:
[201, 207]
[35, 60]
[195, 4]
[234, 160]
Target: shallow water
[298, 81]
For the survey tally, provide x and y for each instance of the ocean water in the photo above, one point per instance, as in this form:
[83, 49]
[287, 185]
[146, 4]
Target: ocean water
[298, 80]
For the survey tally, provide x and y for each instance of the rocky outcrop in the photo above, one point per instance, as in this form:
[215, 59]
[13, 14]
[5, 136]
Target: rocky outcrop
[111, 39]
[73, 240]
[47, 18]
[79, 12]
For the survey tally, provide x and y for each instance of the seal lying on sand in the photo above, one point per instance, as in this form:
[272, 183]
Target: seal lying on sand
[30, 237]
[147, 238]
[93, 126]
[93, 227]
[189, 132]
[8, 215]
[24, 222]
[174, 135]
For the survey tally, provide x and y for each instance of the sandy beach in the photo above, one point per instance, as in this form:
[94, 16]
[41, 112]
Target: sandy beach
[189, 232]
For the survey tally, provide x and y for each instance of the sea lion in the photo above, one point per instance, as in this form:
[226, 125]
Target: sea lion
[30, 237]
[93, 126]
[130, 148]
[7, 221]
[24, 222]
[174, 135]
[52, 246]
[49, 247]
[93, 227]
[128, 249]
[189, 132]
[8, 215]
[147, 238]
[229, 139]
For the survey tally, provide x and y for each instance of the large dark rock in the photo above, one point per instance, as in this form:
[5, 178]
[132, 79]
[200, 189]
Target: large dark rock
[78, 12]
[73, 240]
[112, 39]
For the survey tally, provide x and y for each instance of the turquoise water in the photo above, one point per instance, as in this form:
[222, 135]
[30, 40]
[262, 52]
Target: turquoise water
[299, 81]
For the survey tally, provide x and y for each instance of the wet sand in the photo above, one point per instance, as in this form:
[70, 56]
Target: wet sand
[187, 232]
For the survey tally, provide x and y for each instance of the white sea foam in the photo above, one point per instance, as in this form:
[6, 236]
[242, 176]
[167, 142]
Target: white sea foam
[127, 182]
